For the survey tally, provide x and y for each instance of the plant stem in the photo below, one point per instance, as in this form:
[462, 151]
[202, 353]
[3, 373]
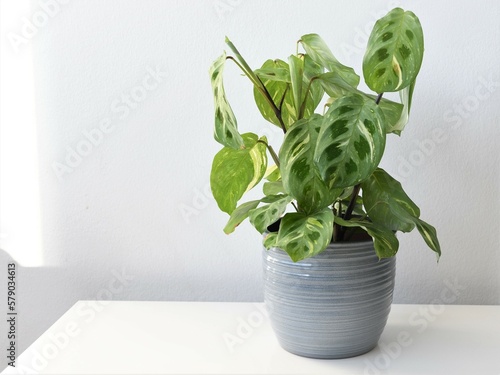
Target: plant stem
[295, 206]
[303, 105]
[379, 98]
[262, 88]
[273, 155]
[276, 110]
[352, 202]
[350, 208]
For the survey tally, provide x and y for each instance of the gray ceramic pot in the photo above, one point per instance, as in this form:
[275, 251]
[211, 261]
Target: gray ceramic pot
[334, 305]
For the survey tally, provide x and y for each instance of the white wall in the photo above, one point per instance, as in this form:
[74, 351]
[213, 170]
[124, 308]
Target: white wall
[119, 210]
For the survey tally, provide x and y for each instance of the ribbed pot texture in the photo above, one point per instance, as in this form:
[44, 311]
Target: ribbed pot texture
[333, 305]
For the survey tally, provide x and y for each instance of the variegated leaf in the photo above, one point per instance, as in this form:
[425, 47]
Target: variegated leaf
[272, 173]
[270, 240]
[266, 215]
[236, 171]
[351, 141]
[239, 214]
[406, 95]
[297, 78]
[280, 92]
[226, 128]
[317, 49]
[312, 92]
[303, 236]
[429, 234]
[274, 73]
[394, 53]
[300, 175]
[385, 241]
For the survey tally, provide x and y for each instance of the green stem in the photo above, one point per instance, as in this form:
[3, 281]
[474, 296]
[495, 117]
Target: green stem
[303, 105]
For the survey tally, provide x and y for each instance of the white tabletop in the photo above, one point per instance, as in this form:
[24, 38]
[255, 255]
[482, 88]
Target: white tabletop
[236, 338]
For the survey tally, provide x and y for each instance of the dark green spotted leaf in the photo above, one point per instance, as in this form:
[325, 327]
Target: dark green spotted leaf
[268, 214]
[317, 49]
[236, 171]
[239, 214]
[300, 175]
[385, 241]
[351, 141]
[226, 128]
[303, 236]
[394, 53]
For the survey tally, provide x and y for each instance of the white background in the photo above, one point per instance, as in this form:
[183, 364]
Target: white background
[138, 204]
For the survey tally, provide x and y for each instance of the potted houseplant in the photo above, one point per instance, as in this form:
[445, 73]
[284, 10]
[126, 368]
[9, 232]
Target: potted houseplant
[329, 214]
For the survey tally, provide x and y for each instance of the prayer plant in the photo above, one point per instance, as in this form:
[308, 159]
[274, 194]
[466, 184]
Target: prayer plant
[324, 183]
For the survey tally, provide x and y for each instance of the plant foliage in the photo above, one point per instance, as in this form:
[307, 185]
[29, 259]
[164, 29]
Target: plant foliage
[327, 166]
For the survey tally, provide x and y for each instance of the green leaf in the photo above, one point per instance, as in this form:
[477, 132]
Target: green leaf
[394, 53]
[270, 240]
[226, 128]
[240, 214]
[351, 141]
[386, 202]
[266, 215]
[406, 95]
[312, 92]
[280, 92]
[300, 175]
[272, 173]
[236, 171]
[429, 234]
[385, 241]
[317, 49]
[334, 85]
[273, 188]
[273, 73]
[297, 78]
[392, 114]
[303, 236]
